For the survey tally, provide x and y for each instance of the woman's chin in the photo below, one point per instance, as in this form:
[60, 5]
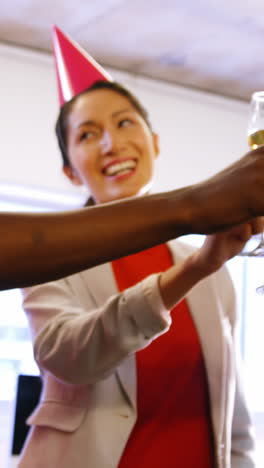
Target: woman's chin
[127, 192]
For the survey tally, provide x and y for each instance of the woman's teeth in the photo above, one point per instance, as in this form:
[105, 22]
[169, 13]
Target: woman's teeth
[120, 168]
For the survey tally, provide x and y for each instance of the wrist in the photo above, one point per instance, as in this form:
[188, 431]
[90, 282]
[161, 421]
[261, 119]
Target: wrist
[183, 212]
[177, 281]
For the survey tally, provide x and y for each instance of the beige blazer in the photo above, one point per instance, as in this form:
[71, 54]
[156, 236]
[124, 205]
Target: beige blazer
[85, 334]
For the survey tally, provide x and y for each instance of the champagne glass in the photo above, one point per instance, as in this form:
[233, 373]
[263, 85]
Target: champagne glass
[255, 133]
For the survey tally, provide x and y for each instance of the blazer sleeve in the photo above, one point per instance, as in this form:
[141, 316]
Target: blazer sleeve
[83, 345]
[242, 438]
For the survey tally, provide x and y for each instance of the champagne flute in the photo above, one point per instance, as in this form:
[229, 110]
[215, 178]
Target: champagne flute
[255, 133]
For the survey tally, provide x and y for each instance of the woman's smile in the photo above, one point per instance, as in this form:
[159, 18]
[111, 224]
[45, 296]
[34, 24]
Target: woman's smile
[119, 168]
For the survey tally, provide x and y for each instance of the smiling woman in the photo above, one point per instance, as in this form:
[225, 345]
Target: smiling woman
[110, 146]
[109, 123]
[123, 347]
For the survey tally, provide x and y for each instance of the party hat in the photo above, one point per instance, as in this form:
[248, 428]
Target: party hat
[76, 70]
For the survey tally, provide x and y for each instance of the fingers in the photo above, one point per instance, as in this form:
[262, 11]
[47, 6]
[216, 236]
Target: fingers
[257, 225]
[257, 151]
[244, 232]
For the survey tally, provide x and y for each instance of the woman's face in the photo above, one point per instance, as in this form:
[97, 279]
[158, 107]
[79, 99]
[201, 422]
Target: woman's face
[111, 149]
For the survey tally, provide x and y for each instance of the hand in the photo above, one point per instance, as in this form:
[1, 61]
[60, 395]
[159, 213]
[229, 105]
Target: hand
[233, 196]
[218, 248]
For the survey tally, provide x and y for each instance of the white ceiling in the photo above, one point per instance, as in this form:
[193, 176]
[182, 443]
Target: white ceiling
[215, 45]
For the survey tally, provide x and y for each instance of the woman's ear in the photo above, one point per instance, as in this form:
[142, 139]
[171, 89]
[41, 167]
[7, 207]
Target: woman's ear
[72, 175]
[155, 137]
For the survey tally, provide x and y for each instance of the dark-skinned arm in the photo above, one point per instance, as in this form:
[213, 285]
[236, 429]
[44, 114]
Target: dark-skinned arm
[36, 248]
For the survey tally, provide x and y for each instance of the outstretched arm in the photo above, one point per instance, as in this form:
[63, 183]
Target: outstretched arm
[176, 282]
[36, 248]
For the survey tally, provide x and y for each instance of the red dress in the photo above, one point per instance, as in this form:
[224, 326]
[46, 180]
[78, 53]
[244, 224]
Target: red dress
[173, 427]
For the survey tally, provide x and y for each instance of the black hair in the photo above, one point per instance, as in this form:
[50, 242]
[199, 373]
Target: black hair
[62, 121]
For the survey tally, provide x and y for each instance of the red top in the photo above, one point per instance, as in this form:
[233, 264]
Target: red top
[173, 428]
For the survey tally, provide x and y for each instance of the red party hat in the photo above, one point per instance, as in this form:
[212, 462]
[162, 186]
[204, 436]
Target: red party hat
[76, 70]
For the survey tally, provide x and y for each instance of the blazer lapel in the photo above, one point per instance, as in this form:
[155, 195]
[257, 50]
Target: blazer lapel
[100, 283]
[204, 308]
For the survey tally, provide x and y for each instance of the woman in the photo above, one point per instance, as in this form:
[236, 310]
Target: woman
[134, 375]
[92, 343]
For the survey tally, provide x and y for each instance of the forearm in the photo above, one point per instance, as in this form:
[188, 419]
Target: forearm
[36, 248]
[177, 281]
[210, 257]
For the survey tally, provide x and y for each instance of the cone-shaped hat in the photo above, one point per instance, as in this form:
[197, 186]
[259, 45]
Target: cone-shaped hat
[76, 70]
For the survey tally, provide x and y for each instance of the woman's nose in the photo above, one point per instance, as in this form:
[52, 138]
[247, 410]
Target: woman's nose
[109, 142]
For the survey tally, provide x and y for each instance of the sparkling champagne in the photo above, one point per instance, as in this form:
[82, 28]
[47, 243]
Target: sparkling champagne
[256, 139]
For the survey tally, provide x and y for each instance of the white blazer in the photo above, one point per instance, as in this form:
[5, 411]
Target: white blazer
[85, 335]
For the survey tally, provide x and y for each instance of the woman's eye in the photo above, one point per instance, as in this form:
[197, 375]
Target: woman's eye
[86, 135]
[125, 122]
